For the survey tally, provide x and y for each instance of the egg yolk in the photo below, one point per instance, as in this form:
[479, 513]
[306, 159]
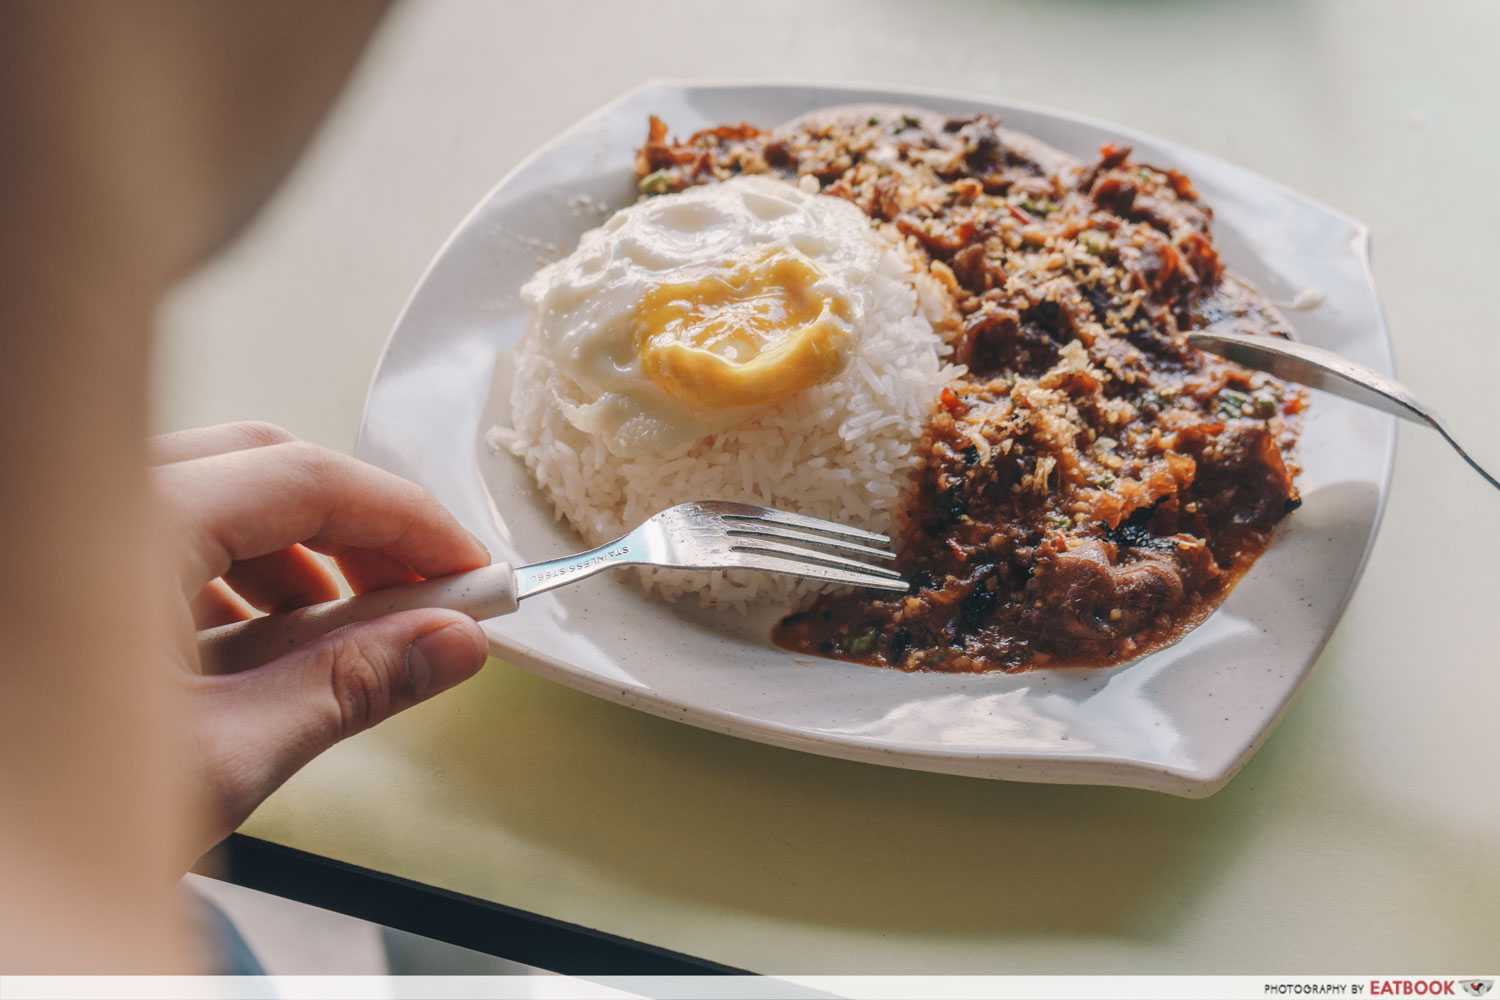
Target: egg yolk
[743, 336]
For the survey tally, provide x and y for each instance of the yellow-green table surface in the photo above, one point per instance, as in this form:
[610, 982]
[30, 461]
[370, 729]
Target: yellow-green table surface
[1364, 836]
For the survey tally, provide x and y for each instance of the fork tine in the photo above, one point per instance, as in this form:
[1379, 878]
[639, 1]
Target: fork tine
[797, 566]
[768, 515]
[799, 554]
[802, 537]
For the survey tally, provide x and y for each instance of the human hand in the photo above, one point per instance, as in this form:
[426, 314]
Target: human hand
[247, 505]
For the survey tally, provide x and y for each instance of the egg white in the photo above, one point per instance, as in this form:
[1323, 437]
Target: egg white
[584, 307]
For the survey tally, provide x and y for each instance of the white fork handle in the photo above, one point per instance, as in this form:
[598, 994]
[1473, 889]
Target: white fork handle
[481, 593]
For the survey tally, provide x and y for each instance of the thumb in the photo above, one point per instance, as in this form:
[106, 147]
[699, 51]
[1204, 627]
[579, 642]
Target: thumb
[270, 721]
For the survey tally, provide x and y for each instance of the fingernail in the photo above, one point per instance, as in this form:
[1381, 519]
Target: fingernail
[483, 547]
[441, 658]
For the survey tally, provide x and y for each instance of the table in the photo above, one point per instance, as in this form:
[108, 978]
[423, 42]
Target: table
[1365, 836]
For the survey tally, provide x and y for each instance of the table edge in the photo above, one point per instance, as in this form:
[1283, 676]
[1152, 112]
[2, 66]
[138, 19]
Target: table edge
[466, 921]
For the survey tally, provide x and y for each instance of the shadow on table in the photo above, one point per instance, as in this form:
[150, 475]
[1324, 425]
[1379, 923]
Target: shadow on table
[682, 812]
[652, 810]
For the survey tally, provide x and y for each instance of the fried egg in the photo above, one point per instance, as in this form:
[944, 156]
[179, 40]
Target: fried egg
[688, 313]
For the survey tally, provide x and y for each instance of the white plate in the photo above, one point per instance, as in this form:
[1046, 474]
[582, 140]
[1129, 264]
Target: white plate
[1182, 720]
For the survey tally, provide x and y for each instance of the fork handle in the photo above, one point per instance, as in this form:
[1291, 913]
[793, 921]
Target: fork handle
[481, 593]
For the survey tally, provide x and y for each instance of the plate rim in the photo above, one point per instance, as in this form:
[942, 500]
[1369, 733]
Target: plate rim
[1069, 768]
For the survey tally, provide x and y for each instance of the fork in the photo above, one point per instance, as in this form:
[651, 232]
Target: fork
[703, 535]
[1320, 369]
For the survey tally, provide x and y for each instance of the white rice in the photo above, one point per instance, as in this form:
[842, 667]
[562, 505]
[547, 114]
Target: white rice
[843, 450]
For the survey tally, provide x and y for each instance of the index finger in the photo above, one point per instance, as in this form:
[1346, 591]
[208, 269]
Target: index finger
[200, 442]
[245, 504]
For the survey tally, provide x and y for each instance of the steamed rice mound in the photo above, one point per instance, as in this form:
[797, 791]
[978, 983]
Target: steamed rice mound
[843, 450]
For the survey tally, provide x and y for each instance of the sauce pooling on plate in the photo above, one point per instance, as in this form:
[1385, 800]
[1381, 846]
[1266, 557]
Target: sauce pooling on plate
[1093, 486]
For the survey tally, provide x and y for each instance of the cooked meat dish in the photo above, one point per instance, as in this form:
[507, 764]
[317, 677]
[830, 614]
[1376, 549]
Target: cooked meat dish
[1092, 487]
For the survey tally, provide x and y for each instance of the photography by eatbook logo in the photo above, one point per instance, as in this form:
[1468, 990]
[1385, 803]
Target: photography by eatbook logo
[1476, 987]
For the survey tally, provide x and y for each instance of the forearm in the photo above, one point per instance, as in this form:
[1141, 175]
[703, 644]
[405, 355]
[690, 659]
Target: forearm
[138, 137]
[87, 796]
[89, 817]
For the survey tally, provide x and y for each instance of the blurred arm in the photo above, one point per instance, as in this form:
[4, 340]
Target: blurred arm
[139, 136]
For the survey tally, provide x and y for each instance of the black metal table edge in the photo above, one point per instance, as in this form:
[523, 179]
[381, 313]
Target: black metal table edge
[467, 921]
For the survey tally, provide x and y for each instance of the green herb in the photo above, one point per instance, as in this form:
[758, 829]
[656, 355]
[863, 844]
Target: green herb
[1263, 405]
[1105, 481]
[1039, 206]
[1233, 403]
[873, 121]
[1158, 398]
[1062, 523]
[910, 121]
[864, 642]
[657, 183]
[1094, 241]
